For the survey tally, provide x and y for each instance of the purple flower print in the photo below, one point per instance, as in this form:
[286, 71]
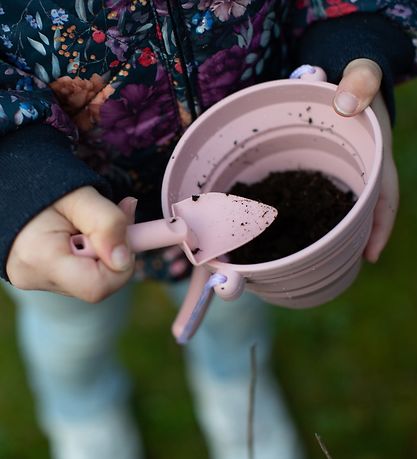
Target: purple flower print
[224, 9]
[6, 41]
[25, 84]
[220, 75]
[204, 4]
[59, 16]
[400, 11]
[258, 24]
[161, 7]
[118, 5]
[117, 43]
[18, 61]
[61, 121]
[141, 117]
[32, 21]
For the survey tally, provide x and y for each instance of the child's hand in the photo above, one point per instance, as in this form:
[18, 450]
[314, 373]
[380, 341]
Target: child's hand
[360, 84]
[389, 195]
[40, 258]
[358, 89]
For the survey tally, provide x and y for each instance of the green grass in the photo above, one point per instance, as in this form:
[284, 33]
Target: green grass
[348, 368]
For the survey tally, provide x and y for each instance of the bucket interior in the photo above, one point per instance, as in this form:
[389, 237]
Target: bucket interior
[268, 128]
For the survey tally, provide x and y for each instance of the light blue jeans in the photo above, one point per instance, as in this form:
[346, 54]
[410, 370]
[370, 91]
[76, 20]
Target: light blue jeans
[69, 350]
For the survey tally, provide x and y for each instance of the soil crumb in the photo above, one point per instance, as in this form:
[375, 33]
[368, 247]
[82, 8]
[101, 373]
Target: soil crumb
[309, 205]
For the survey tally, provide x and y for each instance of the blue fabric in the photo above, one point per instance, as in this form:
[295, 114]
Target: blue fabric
[69, 348]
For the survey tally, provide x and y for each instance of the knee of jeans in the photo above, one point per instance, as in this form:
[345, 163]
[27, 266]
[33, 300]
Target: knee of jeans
[60, 351]
[227, 353]
[70, 338]
[223, 348]
[245, 315]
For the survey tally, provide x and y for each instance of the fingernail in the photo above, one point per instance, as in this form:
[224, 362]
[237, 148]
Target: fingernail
[120, 258]
[346, 103]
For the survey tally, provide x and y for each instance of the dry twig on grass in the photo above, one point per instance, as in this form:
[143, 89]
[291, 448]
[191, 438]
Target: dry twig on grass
[323, 446]
[251, 410]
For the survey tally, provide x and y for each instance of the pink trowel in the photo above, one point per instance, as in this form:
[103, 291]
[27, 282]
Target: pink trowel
[205, 226]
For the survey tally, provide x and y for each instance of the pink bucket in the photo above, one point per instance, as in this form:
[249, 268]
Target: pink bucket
[277, 126]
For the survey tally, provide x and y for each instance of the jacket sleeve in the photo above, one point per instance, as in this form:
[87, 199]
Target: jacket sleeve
[331, 33]
[37, 165]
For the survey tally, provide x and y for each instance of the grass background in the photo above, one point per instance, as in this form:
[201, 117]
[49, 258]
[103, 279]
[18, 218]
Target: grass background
[348, 368]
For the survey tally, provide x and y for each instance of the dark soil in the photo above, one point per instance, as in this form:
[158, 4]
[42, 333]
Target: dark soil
[309, 206]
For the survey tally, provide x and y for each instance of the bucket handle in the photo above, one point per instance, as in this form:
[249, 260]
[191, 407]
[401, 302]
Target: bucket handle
[228, 286]
[309, 73]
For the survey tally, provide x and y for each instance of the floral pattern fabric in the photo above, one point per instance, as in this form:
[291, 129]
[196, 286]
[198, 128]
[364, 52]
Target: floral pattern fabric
[124, 78]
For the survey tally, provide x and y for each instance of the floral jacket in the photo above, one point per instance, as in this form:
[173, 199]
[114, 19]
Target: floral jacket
[97, 92]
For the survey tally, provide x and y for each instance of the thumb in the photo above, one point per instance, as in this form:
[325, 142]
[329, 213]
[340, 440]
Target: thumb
[360, 84]
[128, 206]
[102, 222]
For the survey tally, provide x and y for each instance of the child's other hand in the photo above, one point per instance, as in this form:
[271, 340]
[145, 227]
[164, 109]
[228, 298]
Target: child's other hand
[41, 259]
[389, 195]
[358, 89]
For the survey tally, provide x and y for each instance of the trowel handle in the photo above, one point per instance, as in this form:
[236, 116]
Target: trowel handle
[141, 236]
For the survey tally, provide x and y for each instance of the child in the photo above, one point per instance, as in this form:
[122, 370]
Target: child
[94, 97]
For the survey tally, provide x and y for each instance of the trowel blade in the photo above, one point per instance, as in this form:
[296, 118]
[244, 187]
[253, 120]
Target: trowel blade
[221, 222]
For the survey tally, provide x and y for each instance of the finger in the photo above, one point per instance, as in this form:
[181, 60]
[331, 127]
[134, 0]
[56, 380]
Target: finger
[102, 222]
[89, 280]
[26, 267]
[52, 267]
[385, 212]
[128, 206]
[80, 277]
[360, 83]
[382, 227]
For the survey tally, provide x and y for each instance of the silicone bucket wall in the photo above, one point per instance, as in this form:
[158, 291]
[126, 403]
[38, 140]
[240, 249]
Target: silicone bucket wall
[279, 126]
